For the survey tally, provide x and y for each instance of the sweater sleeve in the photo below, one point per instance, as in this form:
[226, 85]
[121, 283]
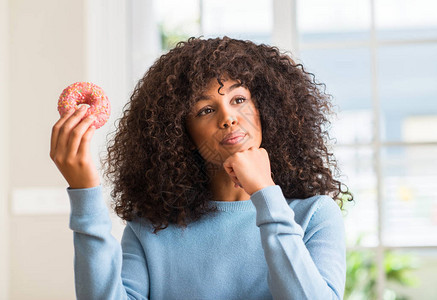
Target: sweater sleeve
[308, 265]
[104, 269]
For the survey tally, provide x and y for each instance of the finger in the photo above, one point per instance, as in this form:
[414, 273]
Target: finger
[235, 181]
[242, 150]
[228, 167]
[237, 185]
[77, 134]
[229, 170]
[55, 131]
[84, 147]
[69, 124]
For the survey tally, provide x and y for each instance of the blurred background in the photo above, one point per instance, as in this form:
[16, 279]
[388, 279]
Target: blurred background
[378, 59]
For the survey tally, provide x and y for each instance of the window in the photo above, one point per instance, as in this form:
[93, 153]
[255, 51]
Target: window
[377, 58]
[378, 61]
[245, 19]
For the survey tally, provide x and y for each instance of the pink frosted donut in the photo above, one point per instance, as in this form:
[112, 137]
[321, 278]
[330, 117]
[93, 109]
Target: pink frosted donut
[79, 93]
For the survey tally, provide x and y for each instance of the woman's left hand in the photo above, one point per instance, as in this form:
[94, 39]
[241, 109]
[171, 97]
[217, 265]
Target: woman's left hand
[250, 169]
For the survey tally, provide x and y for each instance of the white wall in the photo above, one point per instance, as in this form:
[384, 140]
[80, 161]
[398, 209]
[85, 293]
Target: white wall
[46, 45]
[4, 153]
[47, 52]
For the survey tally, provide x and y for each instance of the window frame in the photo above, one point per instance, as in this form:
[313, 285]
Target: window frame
[285, 35]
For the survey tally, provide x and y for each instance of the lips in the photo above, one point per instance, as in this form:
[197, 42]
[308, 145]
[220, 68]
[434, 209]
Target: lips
[232, 137]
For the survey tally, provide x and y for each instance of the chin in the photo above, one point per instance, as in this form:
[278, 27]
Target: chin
[239, 147]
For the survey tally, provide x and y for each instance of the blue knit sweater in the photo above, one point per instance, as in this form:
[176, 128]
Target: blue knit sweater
[267, 247]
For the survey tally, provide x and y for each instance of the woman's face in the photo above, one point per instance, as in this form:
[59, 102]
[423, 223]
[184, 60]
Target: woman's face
[215, 116]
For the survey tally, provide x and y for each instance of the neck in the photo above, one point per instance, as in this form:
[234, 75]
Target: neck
[223, 188]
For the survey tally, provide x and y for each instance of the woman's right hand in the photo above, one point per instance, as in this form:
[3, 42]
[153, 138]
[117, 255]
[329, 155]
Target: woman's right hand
[70, 149]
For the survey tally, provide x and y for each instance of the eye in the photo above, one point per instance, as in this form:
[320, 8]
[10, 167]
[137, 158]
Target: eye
[204, 111]
[242, 99]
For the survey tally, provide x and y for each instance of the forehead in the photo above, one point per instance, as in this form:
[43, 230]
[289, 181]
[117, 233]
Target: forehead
[214, 88]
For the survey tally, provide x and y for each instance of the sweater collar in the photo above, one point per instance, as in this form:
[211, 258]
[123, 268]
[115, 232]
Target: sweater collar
[244, 205]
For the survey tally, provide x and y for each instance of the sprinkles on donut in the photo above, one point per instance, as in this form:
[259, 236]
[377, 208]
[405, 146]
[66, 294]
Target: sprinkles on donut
[86, 93]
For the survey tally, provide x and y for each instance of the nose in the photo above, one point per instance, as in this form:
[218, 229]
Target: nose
[227, 115]
[230, 121]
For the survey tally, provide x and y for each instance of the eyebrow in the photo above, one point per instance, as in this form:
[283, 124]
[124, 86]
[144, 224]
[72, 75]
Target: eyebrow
[234, 86]
[230, 89]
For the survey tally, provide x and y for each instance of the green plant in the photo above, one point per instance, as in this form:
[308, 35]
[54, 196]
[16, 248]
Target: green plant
[172, 34]
[169, 38]
[362, 272]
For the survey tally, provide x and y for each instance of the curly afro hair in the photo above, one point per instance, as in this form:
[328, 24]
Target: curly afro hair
[158, 177]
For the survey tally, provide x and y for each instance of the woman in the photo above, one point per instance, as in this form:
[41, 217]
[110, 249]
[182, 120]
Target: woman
[220, 168]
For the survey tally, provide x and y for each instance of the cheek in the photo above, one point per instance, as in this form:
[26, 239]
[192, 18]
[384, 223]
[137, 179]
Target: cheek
[209, 150]
[201, 135]
[252, 117]
[255, 127]
[206, 139]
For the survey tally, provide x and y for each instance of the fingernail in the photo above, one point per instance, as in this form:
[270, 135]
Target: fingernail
[83, 107]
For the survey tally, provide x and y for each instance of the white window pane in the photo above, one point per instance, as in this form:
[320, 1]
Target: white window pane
[401, 19]
[321, 20]
[361, 215]
[144, 36]
[347, 75]
[407, 81]
[409, 196]
[245, 19]
[177, 20]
